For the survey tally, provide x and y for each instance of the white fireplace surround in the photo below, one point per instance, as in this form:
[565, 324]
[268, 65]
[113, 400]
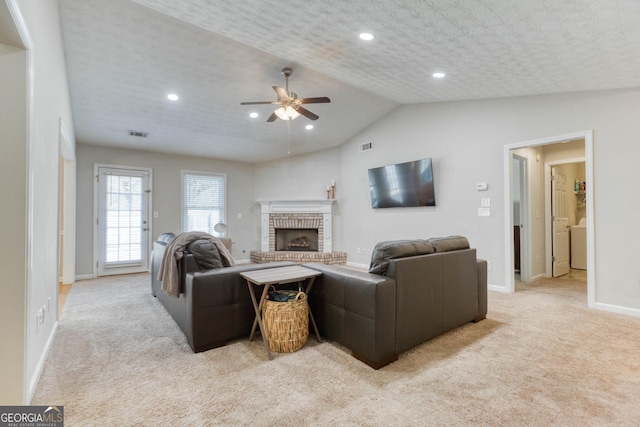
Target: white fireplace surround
[316, 209]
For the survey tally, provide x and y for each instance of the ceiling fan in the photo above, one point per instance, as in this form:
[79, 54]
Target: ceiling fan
[290, 105]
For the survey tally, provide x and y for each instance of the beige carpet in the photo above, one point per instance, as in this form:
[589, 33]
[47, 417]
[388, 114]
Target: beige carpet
[539, 359]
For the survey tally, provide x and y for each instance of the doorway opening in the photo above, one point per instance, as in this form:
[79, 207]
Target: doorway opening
[66, 215]
[537, 222]
[519, 200]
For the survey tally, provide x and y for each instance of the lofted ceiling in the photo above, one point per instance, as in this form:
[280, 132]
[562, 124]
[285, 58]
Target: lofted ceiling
[124, 57]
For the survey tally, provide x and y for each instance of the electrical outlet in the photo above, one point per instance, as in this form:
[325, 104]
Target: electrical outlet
[489, 265]
[358, 251]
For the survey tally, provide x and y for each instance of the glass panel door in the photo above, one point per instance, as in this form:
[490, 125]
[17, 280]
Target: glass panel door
[123, 222]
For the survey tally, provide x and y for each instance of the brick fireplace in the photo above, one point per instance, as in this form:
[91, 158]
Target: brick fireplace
[299, 231]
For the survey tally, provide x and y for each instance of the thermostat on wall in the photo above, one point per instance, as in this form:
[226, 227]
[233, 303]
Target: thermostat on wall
[482, 186]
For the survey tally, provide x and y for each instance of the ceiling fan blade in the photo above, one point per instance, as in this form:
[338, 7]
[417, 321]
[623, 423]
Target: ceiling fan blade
[308, 114]
[272, 117]
[282, 94]
[318, 100]
[257, 102]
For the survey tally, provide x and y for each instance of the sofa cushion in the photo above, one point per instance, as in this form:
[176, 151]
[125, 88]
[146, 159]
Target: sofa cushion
[449, 243]
[205, 254]
[385, 251]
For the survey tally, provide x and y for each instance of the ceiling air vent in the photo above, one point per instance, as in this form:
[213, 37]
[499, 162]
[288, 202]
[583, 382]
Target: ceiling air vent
[138, 133]
[366, 146]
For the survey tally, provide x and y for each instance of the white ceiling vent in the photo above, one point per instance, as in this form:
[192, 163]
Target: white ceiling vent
[366, 146]
[138, 133]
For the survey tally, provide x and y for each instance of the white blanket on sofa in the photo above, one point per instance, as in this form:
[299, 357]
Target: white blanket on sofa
[168, 273]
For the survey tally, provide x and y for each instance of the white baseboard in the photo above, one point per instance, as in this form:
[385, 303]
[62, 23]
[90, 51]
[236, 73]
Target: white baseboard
[617, 309]
[85, 277]
[242, 261]
[358, 265]
[43, 358]
[497, 288]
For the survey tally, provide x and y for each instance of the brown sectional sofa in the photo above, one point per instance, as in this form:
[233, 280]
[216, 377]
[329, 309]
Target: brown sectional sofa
[425, 288]
[415, 290]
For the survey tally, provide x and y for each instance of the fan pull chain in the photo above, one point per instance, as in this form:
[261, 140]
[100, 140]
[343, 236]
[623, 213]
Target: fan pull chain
[289, 136]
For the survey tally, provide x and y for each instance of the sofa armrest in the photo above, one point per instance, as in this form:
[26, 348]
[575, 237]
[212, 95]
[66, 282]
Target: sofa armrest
[482, 289]
[357, 310]
[218, 304]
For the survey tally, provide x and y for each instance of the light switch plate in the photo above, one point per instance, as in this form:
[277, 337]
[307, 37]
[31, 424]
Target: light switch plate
[485, 202]
[484, 212]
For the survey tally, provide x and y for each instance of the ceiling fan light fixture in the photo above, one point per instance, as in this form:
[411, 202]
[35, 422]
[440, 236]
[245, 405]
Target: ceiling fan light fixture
[287, 113]
[254, 115]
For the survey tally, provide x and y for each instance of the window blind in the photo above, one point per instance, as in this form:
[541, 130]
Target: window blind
[203, 201]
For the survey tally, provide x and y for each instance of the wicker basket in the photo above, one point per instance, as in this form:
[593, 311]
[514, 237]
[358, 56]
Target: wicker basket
[286, 324]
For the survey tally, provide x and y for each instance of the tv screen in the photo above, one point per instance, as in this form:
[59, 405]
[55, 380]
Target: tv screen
[407, 184]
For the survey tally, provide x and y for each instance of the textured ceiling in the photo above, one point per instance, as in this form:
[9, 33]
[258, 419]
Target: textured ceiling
[123, 57]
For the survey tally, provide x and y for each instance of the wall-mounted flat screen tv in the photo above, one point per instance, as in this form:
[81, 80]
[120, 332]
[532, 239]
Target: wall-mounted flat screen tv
[402, 185]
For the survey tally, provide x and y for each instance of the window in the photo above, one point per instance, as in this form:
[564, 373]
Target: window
[203, 201]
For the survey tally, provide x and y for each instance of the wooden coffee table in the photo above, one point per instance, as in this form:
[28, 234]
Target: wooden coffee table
[278, 276]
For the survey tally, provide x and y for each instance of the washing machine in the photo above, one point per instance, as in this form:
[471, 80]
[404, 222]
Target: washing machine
[579, 245]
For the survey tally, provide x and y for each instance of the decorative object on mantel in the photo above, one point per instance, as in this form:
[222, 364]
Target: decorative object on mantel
[331, 190]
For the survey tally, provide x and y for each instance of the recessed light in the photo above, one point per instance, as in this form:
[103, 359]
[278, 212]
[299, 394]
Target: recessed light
[366, 36]
[173, 97]
[254, 115]
[309, 127]
[439, 75]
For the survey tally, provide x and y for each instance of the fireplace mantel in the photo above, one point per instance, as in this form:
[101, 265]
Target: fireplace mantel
[298, 207]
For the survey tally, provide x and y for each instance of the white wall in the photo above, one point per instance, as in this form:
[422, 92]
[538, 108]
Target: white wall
[13, 227]
[466, 141]
[45, 100]
[166, 196]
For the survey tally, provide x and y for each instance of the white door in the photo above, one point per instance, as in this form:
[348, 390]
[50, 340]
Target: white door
[559, 223]
[122, 220]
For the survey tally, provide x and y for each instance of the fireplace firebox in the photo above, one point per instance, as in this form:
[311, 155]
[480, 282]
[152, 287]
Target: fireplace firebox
[297, 239]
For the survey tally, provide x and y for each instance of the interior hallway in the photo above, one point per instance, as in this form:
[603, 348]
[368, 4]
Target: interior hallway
[572, 285]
